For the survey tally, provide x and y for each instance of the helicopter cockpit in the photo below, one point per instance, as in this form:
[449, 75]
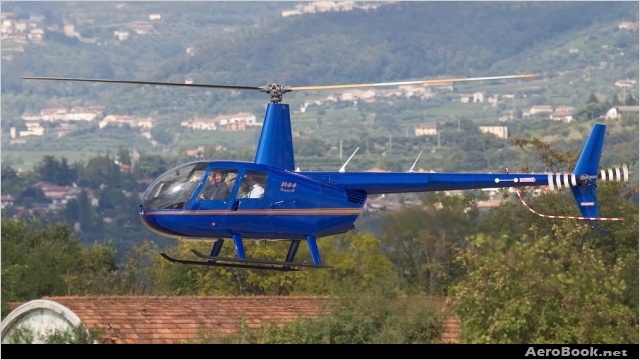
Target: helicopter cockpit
[175, 188]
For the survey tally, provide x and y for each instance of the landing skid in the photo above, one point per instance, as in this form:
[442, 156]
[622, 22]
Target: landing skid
[228, 264]
[264, 262]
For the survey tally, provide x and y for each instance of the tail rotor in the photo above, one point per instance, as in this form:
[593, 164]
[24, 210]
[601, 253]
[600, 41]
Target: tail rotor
[583, 180]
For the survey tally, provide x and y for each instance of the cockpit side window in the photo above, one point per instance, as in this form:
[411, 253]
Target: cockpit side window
[218, 184]
[173, 189]
[253, 185]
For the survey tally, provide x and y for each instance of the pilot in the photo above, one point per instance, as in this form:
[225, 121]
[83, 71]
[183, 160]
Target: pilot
[255, 190]
[243, 192]
[217, 188]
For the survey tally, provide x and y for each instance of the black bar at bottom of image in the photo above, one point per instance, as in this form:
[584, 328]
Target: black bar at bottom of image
[318, 351]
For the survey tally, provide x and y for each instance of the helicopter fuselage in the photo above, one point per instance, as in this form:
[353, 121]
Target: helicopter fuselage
[291, 205]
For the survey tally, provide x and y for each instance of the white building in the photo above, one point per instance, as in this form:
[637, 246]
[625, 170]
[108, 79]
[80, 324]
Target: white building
[617, 111]
[426, 129]
[477, 97]
[200, 124]
[33, 129]
[561, 116]
[500, 131]
[132, 121]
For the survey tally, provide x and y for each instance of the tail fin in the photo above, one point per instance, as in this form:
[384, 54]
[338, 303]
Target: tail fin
[583, 180]
[586, 173]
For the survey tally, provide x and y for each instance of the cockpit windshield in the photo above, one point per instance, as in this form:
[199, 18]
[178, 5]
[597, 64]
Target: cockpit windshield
[173, 189]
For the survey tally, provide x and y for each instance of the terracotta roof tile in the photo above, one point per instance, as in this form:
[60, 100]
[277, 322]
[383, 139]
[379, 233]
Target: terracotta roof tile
[179, 319]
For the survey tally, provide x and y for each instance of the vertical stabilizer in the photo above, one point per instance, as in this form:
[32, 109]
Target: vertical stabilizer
[276, 145]
[587, 168]
[589, 160]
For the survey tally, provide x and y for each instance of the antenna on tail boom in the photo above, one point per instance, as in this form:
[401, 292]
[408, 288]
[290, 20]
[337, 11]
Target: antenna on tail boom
[345, 164]
[415, 162]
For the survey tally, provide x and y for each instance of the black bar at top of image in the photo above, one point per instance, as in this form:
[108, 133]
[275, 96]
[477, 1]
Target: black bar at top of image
[419, 351]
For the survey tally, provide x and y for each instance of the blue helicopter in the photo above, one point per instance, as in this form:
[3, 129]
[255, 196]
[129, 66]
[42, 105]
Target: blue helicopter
[268, 199]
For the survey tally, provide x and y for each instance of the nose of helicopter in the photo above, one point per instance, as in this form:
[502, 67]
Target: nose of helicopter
[179, 223]
[155, 223]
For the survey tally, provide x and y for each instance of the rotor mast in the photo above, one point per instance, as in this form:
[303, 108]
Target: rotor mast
[275, 92]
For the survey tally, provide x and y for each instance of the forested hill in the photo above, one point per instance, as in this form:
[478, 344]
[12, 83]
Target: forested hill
[396, 41]
[393, 42]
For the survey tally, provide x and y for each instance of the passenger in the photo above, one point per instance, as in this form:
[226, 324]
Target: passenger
[255, 190]
[217, 188]
[243, 192]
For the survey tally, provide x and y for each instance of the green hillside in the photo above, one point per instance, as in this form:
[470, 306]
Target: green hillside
[575, 48]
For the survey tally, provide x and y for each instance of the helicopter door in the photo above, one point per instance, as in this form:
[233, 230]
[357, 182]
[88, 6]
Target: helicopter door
[215, 194]
[250, 200]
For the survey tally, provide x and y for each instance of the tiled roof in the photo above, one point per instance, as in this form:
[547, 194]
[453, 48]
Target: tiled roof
[180, 319]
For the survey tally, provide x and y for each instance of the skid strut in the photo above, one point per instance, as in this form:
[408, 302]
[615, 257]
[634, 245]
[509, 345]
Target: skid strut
[241, 261]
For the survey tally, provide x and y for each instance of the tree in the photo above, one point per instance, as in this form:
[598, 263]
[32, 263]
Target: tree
[56, 172]
[356, 259]
[123, 156]
[30, 196]
[630, 101]
[592, 99]
[350, 318]
[72, 212]
[151, 166]
[100, 170]
[85, 211]
[421, 241]
[615, 101]
[163, 135]
[554, 160]
[47, 260]
[544, 291]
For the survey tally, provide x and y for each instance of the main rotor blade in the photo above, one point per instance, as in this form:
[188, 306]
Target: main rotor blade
[424, 82]
[144, 83]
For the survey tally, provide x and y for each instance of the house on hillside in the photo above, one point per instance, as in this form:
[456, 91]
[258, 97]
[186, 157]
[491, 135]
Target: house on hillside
[627, 83]
[426, 129]
[59, 196]
[133, 121]
[500, 131]
[64, 129]
[176, 319]
[33, 129]
[7, 200]
[628, 25]
[200, 124]
[561, 116]
[617, 111]
[566, 108]
[537, 109]
[477, 97]
[121, 35]
[197, 152]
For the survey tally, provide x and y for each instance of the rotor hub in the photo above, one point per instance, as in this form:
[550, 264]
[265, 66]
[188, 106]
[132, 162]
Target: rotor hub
[275, 92]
